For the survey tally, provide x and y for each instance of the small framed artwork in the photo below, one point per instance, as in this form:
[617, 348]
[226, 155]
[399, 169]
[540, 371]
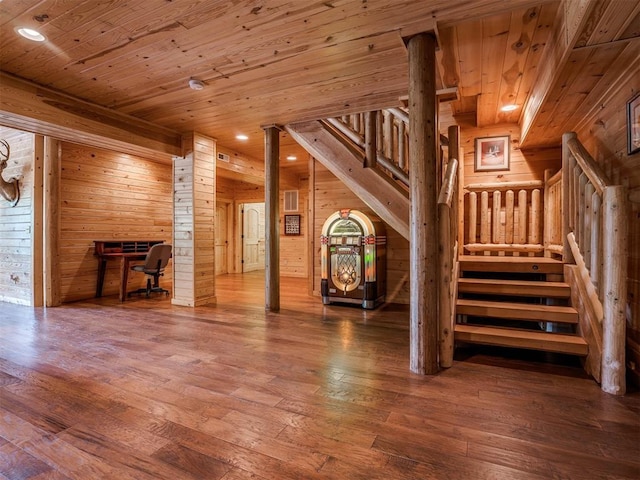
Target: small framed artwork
[633, 124]
[292, 224]
[492, 153]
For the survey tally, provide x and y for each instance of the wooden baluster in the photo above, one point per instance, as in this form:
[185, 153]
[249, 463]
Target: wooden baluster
[371, 148]
[386, 134]
[522, 217]
[402, 146]
[582, 183]
[473, 218]
[589, 189]
[495, 217]
[576, 200]
[596, 241]
[534, 233]
[508, 217]
[485, 221]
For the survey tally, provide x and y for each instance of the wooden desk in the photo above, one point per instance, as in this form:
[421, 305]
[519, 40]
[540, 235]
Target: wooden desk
[126, 251]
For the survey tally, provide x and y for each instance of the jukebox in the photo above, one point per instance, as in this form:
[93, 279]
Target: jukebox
[353, 252]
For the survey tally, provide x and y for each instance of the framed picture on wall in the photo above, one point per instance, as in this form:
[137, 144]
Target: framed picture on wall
[492, 153]
[292, 224]
[633, 124]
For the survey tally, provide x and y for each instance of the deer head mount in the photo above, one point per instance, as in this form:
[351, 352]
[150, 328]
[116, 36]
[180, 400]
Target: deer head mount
[10, 190]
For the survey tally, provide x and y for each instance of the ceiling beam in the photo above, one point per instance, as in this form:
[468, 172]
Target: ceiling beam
[572, 17]
[33, 108]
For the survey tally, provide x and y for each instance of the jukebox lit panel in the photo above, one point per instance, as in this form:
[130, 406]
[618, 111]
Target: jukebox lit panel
[353, 259]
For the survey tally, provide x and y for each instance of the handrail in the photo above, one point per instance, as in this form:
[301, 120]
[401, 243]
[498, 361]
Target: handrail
[447, 239]
[359, 140]
[448, 185]
[591, 169]
[594, 231]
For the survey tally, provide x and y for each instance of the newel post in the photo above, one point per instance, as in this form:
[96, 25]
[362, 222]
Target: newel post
[615, 290]
[423, 245]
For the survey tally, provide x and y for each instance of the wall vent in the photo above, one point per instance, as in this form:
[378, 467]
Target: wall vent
[291, 200]
[223, 157]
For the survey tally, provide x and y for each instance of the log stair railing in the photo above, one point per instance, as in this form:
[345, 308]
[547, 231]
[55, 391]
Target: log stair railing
[595, 243]
[508, 302]
[368, 152]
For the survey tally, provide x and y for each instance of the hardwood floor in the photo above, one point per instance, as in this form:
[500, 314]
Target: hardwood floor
[146, 390]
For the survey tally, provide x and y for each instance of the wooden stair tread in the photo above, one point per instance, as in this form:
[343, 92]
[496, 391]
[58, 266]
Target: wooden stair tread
[480, 263]
[517, 311]
[514, 287]
[528, 339]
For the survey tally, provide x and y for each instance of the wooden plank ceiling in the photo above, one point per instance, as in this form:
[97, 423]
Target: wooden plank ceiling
[283, 61]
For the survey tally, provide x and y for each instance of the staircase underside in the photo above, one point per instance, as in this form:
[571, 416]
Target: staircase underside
[373, 187]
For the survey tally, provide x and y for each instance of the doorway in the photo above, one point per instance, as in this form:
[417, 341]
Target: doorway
[253, 237]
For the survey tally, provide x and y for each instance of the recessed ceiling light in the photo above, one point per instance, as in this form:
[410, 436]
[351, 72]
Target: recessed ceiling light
[31, 34]
[240, 136]
[509, 108]
[292, 158]
[195, 84]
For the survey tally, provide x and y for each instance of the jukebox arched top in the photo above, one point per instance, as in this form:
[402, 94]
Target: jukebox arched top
[353, 259]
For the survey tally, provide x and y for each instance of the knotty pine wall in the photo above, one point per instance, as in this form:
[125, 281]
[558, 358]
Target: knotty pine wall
[16, 222]
[107, 195]
[604, 134]
[524, 164]
[331, 195]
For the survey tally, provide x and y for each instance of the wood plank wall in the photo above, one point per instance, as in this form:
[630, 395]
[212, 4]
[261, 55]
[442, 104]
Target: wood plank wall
[108, 195]
[330, 195]
[604, 134]
[16, 222]
[524, 165]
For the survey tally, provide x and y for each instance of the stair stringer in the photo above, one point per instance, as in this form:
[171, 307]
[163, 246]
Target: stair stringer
[374, 188]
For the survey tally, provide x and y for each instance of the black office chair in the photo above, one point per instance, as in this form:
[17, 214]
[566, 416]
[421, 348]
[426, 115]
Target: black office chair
[154, 265]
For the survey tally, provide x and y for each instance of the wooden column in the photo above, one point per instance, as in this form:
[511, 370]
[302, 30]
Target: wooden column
[272, 220]
[423, 154]
[52, 295]
[37, 228]
[194, 210]
[615, 290]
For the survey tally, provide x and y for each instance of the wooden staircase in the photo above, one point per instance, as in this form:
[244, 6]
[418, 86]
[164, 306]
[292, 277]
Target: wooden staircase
[508, 302]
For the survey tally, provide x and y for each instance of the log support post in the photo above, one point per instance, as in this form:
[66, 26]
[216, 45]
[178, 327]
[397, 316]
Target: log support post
[423, 154]
[52, 173]
[615, 290]
[272, 220]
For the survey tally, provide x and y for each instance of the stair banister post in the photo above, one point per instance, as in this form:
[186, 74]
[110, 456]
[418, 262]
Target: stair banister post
[423, 244]
[615, 290]
[567, 176]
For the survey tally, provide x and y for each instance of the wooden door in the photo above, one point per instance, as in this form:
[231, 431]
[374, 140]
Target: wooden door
[253, 234]
[222, 239]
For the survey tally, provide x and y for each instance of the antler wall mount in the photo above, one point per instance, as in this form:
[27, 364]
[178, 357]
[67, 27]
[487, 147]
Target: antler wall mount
[10, 190]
